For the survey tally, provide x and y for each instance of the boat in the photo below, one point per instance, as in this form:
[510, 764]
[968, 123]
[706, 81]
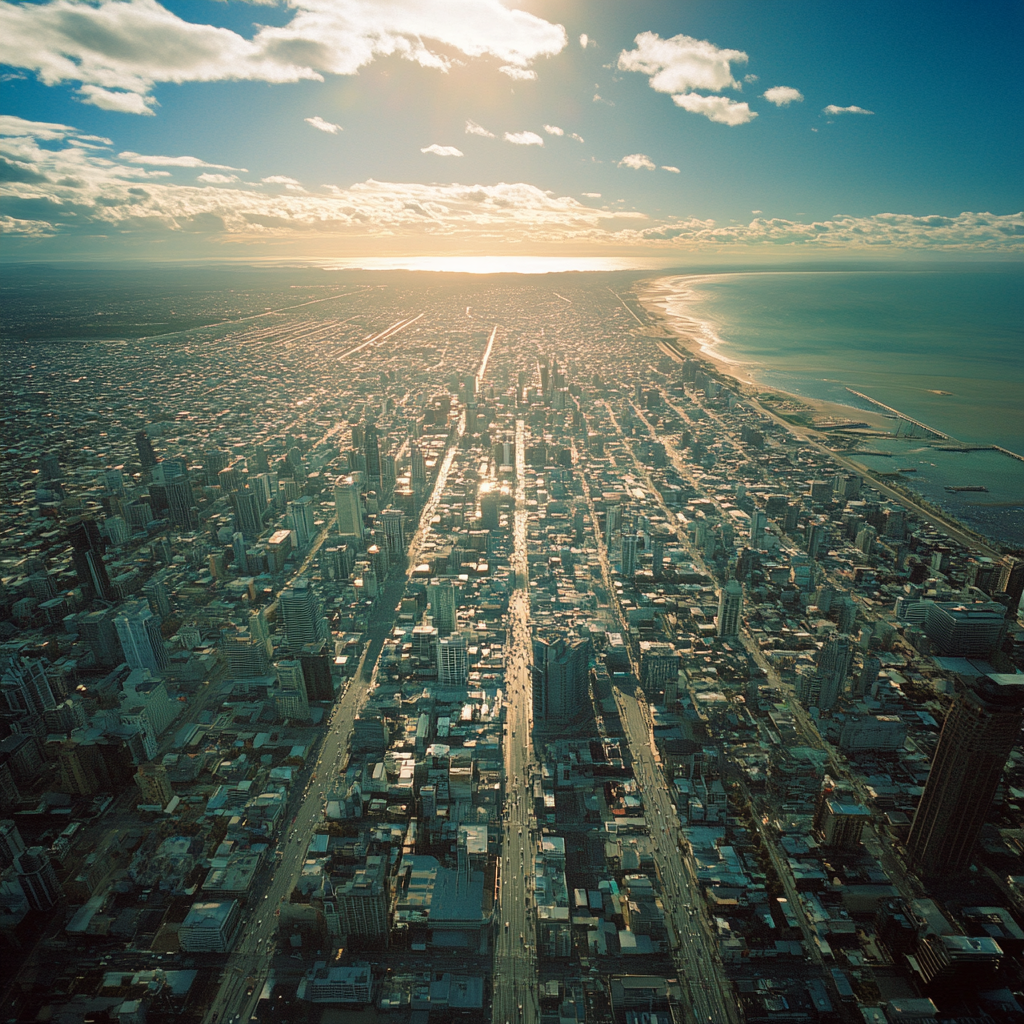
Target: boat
[974, 487]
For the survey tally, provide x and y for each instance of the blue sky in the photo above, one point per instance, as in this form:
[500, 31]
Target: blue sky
[348, 127]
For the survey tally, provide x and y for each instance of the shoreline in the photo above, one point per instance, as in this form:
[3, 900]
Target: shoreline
[699, 340]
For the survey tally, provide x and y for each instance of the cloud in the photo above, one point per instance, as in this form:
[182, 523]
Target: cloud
[584, 39]
[442, 150]
[174, 161]
[637, 161]
[681, 64]
[552, 129]
[591, 195]
[472, 128]
[783, 95]
[833, 109]
[217, 179]
[278, 179]
[117, 51]
[578, 138]
[519, 74]
[750, 79]
[715, 108]
[667, 167]
[524, 138]
[324, 126]
[756, 213]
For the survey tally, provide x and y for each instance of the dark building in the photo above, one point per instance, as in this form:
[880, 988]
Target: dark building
[87, 548]
[977, 737]
[147, 457]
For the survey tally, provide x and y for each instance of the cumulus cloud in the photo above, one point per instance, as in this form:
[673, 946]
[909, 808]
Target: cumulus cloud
[591, 195]
[715, 108]
[442, 150]
[519, 74]
[472, 128]
[174, 161]
[72, 190]
[584, 39]
[524, 138]
[833, 109]
[278, 179]
[553, 129]
[783, 95]
[578, 138]
[324, 126]
[667, 167]
[117, 51]
[679, 65]
[217, 179]
[638, 162]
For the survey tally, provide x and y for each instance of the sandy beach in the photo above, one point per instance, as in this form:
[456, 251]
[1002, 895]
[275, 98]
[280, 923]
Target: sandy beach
[665, 300]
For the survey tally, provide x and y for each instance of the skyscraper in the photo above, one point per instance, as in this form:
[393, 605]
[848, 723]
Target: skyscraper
[443, 604]
[979, 732]
[371, 452]
[834, 662]
[628, 555]
[290, 693]
[452, 661]
[87, 547]
[730, 608]
[349, 509]
[37, 878]
[27, 687]
[138, 629]
[147, 457]
[303, 614]
[393, 522]
[560, 676]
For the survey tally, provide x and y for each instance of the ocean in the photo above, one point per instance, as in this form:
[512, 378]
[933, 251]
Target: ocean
[945, 347]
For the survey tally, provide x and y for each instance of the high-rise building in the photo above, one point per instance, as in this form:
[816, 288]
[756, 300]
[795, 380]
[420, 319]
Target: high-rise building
[979, 732]
[349, 509]
[418, 469]
[834, 662]
[249, 512]
[37, 878]
[659, 666]
[627, 559]
[452, 661]
[316, 671]
[371, 452]
[303, 614]
[246, 656]
[362, 901]
[11, 843]
[300, 519]
[758, 522]
[147, 456]
[560, 680]
[138, 630]
[1010, 578]
[87, 547]
[154, 785]
[28, 688]
[443, 599]
[964, 630]
[290, 696]
[180, 503]
[392, 520]
[730, 608]
[156, 593]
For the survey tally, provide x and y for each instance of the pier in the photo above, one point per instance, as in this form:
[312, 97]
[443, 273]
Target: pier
[903, 416]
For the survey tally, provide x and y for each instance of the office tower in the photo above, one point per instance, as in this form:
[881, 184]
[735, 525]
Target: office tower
[303, 614]
[659, 667]
[579, 520]
[657, 555]
[37, 878]
[730, 609]
[362, 901]
[392, 520]
[380, 562]
[418, 470]
[154, 785]
[238, 547]
[97, 630]
[964, 630]
[895, 523]
[28, 688]
[248, 512]
[299, 519]
[845, 608]
[147, 458]
[87, 547]
[279, 549]
[817, 539]
[627, 558]
[156, 593]
[371, 452]
[613, 520]
[452, 661]
[180, 502]
[560, 680]
[349, 509]
[866, 536]
[245, 655]
[758, 522]
[11, 843]
[490, 511]
[868, 675]
[979, 732]
[316, 671]
[443, 600]
[138, 630]
[834, 662]
[1010, 578]
[290, 692]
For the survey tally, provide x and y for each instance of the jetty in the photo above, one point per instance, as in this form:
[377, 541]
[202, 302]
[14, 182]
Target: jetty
[903, 416]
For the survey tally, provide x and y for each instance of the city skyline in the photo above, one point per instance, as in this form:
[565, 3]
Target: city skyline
[356, 129]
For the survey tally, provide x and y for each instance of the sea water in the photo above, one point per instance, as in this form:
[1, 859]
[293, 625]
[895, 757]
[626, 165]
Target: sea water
[945, 347]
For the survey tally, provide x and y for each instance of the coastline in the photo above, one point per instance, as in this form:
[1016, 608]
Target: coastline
[698, 338]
